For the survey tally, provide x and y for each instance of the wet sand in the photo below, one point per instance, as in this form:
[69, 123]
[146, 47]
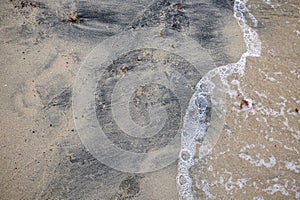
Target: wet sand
[257, 154]
[42, 46]
[42, 156]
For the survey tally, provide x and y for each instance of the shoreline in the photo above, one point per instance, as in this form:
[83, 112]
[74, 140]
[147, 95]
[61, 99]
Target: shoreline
[257, 153]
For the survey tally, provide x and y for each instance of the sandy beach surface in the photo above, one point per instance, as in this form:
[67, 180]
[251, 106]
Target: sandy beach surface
[43, 46]
[257, 155]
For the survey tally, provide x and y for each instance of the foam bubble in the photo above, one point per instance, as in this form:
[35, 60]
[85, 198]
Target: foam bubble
[292, 166]
[185, 155]
[276, 188]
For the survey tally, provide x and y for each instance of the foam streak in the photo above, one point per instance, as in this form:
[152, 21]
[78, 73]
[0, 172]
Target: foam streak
[195, 127]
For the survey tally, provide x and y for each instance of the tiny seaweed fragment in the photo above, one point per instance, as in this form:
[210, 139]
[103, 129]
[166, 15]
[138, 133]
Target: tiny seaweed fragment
[161, 33]
[180, 8]
[124, 69]
[244, 103]
[72, 18]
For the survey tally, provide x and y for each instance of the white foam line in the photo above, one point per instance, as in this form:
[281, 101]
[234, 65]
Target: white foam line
[195, 122]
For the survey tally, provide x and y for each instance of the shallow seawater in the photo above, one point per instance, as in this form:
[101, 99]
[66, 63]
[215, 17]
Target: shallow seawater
[257, 153]
[132, 68]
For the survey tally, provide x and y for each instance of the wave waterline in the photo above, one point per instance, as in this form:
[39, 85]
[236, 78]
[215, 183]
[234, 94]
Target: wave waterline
[196, 127]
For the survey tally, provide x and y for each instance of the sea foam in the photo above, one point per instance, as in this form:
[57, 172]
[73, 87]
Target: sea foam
[209, 102]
